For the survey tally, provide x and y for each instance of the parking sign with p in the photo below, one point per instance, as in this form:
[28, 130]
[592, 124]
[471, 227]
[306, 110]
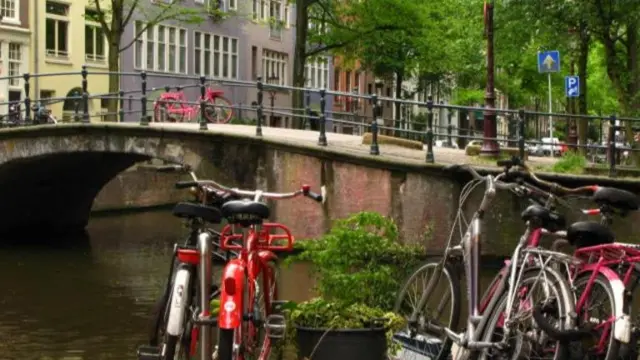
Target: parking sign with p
[572, 86]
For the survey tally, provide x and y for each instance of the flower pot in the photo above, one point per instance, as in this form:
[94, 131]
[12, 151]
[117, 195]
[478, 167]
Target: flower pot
[323, 344]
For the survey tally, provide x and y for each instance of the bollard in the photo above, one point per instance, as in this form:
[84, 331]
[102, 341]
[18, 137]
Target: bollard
[307, 120]
[430, 158]
[144, 120]
[259, 107]
[612, 146]
[375, 149]
[85, 95]
[203, 104]
[27, 99]
[521, 116]
[322, 139]
[121, 100]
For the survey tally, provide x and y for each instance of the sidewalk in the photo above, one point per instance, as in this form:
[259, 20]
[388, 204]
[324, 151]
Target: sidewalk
[350, 144]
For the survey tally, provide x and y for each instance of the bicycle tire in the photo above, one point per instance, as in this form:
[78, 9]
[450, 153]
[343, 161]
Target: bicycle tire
[565, 306]
[227, 106]
[613, 347]
[228, 339]
[450, 273]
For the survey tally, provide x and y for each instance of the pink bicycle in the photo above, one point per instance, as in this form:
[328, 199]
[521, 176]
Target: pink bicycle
[172, 106]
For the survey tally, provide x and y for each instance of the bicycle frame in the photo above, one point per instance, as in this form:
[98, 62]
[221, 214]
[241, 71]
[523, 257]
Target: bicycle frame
[470, 248]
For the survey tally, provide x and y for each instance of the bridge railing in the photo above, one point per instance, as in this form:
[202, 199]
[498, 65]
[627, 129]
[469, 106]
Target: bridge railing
[365, 115]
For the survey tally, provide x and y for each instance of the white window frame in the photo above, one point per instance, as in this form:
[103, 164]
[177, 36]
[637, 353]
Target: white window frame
[152, 39]
[275, 63]
[56, 53]
[95, 57]
[15, 19]
[211, 47]
[14, 83]
[317, 74]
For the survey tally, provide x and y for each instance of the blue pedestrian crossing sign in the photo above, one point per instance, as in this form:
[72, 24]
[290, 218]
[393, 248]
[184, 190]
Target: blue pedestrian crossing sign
[549, 61]
[572, 86]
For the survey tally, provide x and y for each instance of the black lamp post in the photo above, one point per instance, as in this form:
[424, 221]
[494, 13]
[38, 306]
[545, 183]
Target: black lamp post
[489, 147]
[272, 80]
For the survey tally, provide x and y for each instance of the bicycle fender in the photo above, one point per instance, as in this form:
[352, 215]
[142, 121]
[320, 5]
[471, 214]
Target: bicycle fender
[622, 325]
[178, 302]
[233, 275]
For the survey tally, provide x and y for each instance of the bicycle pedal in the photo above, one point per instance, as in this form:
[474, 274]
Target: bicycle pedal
[275, 326]
[146, 352]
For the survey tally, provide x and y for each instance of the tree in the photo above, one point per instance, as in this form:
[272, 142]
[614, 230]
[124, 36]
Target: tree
[324, 26]
[115, 15]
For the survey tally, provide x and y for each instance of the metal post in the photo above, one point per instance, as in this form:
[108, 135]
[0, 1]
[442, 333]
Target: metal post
[85, 95]
[612, 146]
[121, 100]
[322, 139]
[375, 150]
[203, 104]
[521, 116]
[27, 99]
[76, 108]
[450, 127]
[144, 120]
[430, 159]
[307, 121]
[550, 116]
[259, 107]
[490, 147]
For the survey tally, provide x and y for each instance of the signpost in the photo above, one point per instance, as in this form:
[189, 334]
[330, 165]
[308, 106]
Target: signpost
[572, 86]
[549, 62]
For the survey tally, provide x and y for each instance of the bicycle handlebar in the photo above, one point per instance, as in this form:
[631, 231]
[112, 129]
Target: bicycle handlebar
[492, 182]
[305, 190]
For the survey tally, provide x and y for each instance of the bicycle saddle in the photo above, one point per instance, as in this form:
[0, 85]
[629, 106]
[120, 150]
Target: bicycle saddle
[245, 212]
[549, 220]
[188, 210]
[588, 233]
[616, 198]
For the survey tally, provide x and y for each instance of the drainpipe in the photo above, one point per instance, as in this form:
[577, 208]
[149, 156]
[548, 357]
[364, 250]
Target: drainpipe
[36, 49]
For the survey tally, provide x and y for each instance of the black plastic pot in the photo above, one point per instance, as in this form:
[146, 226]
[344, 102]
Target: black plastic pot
[351, 344]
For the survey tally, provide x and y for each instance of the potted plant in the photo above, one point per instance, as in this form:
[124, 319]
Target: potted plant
[358, 267]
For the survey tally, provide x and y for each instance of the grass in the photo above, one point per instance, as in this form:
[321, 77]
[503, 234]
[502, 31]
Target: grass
[570, 163]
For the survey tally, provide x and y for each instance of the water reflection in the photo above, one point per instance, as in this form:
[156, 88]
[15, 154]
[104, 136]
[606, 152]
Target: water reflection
[90, 297]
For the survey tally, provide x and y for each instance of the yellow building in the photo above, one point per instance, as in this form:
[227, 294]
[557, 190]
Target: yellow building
[62, 40]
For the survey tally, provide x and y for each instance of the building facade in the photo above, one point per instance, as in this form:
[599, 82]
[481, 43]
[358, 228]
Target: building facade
[15, 45]
[238, 49]
[63, 39]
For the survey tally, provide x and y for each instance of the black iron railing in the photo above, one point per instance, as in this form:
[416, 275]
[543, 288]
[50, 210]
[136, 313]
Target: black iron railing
[366, 116]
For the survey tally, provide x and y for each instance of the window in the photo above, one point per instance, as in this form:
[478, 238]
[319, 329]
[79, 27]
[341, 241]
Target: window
[356, 83]
[254, 62]
[271, 9]
[161, 48]
[274, 67]
[93, 38]
[215, 55]
[57, 28]
[10, 10]
[336, 79]
[347, 78]
[317, 74]
[275, 16]
[15, 63]
[256, 9]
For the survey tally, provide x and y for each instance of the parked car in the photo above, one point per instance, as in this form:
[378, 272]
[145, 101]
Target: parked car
[551, 146]
[445, 144]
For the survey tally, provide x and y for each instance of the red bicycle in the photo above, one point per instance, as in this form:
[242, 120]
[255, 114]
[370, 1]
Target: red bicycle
[172, 106]
[246, 321]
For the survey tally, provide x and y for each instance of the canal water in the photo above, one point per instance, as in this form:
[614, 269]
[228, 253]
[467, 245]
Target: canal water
[90, 297]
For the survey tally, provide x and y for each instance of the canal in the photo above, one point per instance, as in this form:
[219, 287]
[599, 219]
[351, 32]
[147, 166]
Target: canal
[91, 297]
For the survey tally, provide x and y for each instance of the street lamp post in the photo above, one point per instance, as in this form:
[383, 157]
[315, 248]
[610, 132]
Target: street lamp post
[489, 147]
[272, 80]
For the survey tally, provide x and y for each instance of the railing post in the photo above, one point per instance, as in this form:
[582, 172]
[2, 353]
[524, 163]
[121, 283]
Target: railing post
[85, 95]
[612, 146]
[144, 120]
[375, 149]
[307, 98]
[121, 101]
[322, 139]
[203, 104]
[76, 110]
[521, 116]
[27, 98]
[259, 109]
[430, 158]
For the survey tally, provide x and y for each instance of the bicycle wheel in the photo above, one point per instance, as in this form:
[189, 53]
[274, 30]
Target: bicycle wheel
[526, 340]
[601, 294]
[427, 338]
[251, 341]
[219, 110]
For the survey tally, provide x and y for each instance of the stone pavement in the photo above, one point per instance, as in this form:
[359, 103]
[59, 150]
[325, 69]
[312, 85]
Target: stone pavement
[351, 144]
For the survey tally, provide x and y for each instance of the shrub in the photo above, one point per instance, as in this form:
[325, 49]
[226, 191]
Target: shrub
[570, 162]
